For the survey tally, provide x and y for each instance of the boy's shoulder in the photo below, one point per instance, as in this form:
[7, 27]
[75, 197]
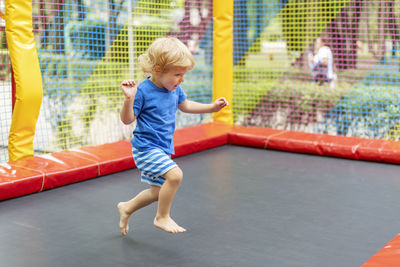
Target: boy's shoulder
[145, 87]
[145, 84]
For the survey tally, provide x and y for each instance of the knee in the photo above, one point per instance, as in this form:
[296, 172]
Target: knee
[174, 176]
[154, 190]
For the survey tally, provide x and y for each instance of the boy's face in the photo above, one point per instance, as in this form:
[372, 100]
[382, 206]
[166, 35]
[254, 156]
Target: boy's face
[173, 77]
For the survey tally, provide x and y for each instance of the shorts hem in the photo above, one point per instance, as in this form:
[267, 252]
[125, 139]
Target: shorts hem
[157, 182]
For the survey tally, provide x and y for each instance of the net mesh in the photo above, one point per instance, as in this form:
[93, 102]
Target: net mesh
[320, 66]
[5, 88]
[86, 48]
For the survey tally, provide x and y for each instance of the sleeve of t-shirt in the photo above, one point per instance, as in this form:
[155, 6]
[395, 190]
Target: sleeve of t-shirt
[138, 103]
[182, 96]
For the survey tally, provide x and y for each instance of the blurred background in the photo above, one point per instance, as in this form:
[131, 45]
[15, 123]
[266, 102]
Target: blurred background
[87, 47]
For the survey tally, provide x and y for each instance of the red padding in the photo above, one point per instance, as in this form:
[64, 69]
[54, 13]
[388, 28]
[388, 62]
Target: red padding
[33, 174]
[60, 168]
[295, 142]
[111, 157]
[200, 137]
[17, 181]
[388, 256]
[252, 136]
[319, 144]
[380, 150]
[340, 146]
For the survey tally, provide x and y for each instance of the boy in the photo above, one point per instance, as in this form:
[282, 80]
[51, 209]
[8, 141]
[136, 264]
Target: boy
[153, 105]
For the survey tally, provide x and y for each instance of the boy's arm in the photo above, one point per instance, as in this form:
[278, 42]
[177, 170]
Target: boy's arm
[189, 106]
[129, 89]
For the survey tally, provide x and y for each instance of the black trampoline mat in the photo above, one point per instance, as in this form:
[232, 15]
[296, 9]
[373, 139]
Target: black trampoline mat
[242, 207]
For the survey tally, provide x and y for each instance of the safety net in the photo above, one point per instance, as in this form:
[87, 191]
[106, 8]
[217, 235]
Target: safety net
[318, 66]
[87, 48]
[5, 88]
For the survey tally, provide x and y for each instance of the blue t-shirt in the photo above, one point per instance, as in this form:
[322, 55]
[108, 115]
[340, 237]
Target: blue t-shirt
[155, 110]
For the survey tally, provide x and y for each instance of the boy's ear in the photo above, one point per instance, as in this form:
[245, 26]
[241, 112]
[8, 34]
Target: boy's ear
[157, 68]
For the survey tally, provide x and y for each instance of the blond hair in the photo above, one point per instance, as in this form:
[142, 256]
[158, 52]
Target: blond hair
[166, 52]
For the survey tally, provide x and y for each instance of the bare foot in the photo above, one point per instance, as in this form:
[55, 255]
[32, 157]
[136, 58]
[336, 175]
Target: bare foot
[123, 219]
[168, 225]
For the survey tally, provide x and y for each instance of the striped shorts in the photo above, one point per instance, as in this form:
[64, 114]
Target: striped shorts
[152, 164]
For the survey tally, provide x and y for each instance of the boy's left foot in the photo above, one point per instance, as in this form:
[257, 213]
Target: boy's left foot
[124, 218]
[168, 225]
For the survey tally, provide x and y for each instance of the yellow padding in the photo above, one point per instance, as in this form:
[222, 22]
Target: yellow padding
[27, 76]
[223, 57]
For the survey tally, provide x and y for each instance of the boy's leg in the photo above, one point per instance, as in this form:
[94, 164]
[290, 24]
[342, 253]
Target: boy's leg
[144, 198]
[163, 220]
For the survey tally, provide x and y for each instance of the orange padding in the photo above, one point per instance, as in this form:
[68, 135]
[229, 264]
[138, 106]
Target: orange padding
[388, 256]
[34, 174]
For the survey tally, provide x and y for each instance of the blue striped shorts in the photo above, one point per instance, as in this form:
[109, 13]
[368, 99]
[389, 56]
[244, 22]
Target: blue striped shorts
[152, 164]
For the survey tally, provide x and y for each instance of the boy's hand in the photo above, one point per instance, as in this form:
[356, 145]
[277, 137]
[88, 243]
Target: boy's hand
[220, 103]
[129, 89]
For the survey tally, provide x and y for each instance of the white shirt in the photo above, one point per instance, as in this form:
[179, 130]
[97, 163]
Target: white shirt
[325, 52]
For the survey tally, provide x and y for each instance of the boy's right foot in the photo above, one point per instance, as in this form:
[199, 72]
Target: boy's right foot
[124, 218]
[168, 225]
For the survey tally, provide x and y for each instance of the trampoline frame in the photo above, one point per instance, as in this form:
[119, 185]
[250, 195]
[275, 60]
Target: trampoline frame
[43, 172]
[38, 173]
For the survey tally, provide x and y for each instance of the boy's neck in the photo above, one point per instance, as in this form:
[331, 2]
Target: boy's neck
[155, 81]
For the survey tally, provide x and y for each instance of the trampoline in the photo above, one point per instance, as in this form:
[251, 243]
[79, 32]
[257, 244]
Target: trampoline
[244, 200]
[242, 206]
